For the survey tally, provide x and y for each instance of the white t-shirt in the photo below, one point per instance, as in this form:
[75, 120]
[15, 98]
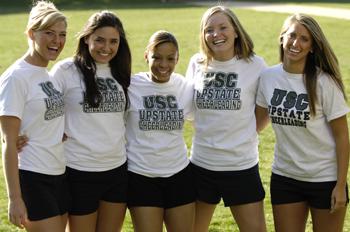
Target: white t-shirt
[155, 122]
[27, 93]
[305, 147]
[96, 136]
[225, 128]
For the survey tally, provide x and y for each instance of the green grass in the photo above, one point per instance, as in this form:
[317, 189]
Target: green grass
[184, 23]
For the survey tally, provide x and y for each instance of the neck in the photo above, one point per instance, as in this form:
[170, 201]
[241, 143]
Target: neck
[34, 58]
[291, 67]
[223, 56]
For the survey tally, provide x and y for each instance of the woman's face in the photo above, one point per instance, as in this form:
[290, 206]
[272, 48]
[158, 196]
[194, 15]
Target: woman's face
[48, 43]
[162, 60]
[220, 36]
[297, 43]
[103, 44]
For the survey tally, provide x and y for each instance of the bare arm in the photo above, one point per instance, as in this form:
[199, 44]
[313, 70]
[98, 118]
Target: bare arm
[9, 130]
[340, 132]
[262, 118]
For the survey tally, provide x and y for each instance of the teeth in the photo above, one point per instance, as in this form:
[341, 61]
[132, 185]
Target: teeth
[53, 48]
[294, 50]
[218, 41]
[104, 54]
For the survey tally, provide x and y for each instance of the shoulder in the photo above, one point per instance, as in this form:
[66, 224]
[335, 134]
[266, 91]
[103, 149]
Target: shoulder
[18, 71]
[65, 64]
[197, 58]
[274, 69]
[139, 79]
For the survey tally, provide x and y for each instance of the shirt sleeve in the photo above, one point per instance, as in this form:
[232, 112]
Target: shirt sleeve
[13, 95]
[332, 98]
[260, 97]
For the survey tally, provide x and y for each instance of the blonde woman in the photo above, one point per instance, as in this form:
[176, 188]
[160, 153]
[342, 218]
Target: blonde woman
[225, 145]
[31, 105]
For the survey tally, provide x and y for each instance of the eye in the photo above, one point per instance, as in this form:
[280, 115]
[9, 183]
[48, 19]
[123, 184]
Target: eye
[49, 33]
[291, 35]
[114, 41]
[209, 30]
[304, 39]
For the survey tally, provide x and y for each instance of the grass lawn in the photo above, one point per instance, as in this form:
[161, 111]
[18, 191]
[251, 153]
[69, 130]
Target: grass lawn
[140, 22]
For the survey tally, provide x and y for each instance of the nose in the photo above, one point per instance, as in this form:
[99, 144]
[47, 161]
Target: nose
[295, 42]
[163, 63]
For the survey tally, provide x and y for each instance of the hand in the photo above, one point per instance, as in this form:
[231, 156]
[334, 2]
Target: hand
[18, 212]
[21, 142]
[338, 199]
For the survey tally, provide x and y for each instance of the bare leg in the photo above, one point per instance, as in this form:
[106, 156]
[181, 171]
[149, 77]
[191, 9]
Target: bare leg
[204, 213]
[250, 217]
[86, 223]
[52, 224]
[290, 217]
[146, 219]
[180, 218]
[110, 216]
[323, 220]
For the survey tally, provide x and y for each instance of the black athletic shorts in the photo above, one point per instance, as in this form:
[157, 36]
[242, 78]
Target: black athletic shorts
[89, 188]
[162, 192]
[44, 195]
[285, 190]
[234, 187]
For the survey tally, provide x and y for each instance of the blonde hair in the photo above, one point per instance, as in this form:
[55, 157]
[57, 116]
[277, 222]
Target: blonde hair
[43, 15]
[322, 57]
[243, 47]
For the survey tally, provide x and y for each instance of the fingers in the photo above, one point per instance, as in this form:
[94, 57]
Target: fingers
[21, 142]
[18, 220]
[336, 205]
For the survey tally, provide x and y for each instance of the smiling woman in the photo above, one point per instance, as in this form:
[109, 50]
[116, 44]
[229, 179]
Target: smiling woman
[31, 104]
[94, 83]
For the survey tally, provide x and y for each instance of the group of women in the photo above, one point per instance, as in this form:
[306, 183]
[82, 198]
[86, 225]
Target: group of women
[101, 139]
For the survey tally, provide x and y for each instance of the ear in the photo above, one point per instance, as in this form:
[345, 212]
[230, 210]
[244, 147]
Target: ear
[30, 34]
[86, 38]
[145, 55]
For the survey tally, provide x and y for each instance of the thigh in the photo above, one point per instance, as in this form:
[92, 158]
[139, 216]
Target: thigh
[110, 216]
[203, 215]
[86, 223]
[52, 224]
[290, 217]
[145, 219]
[244, 213]
[324, 221]
[180, 218]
